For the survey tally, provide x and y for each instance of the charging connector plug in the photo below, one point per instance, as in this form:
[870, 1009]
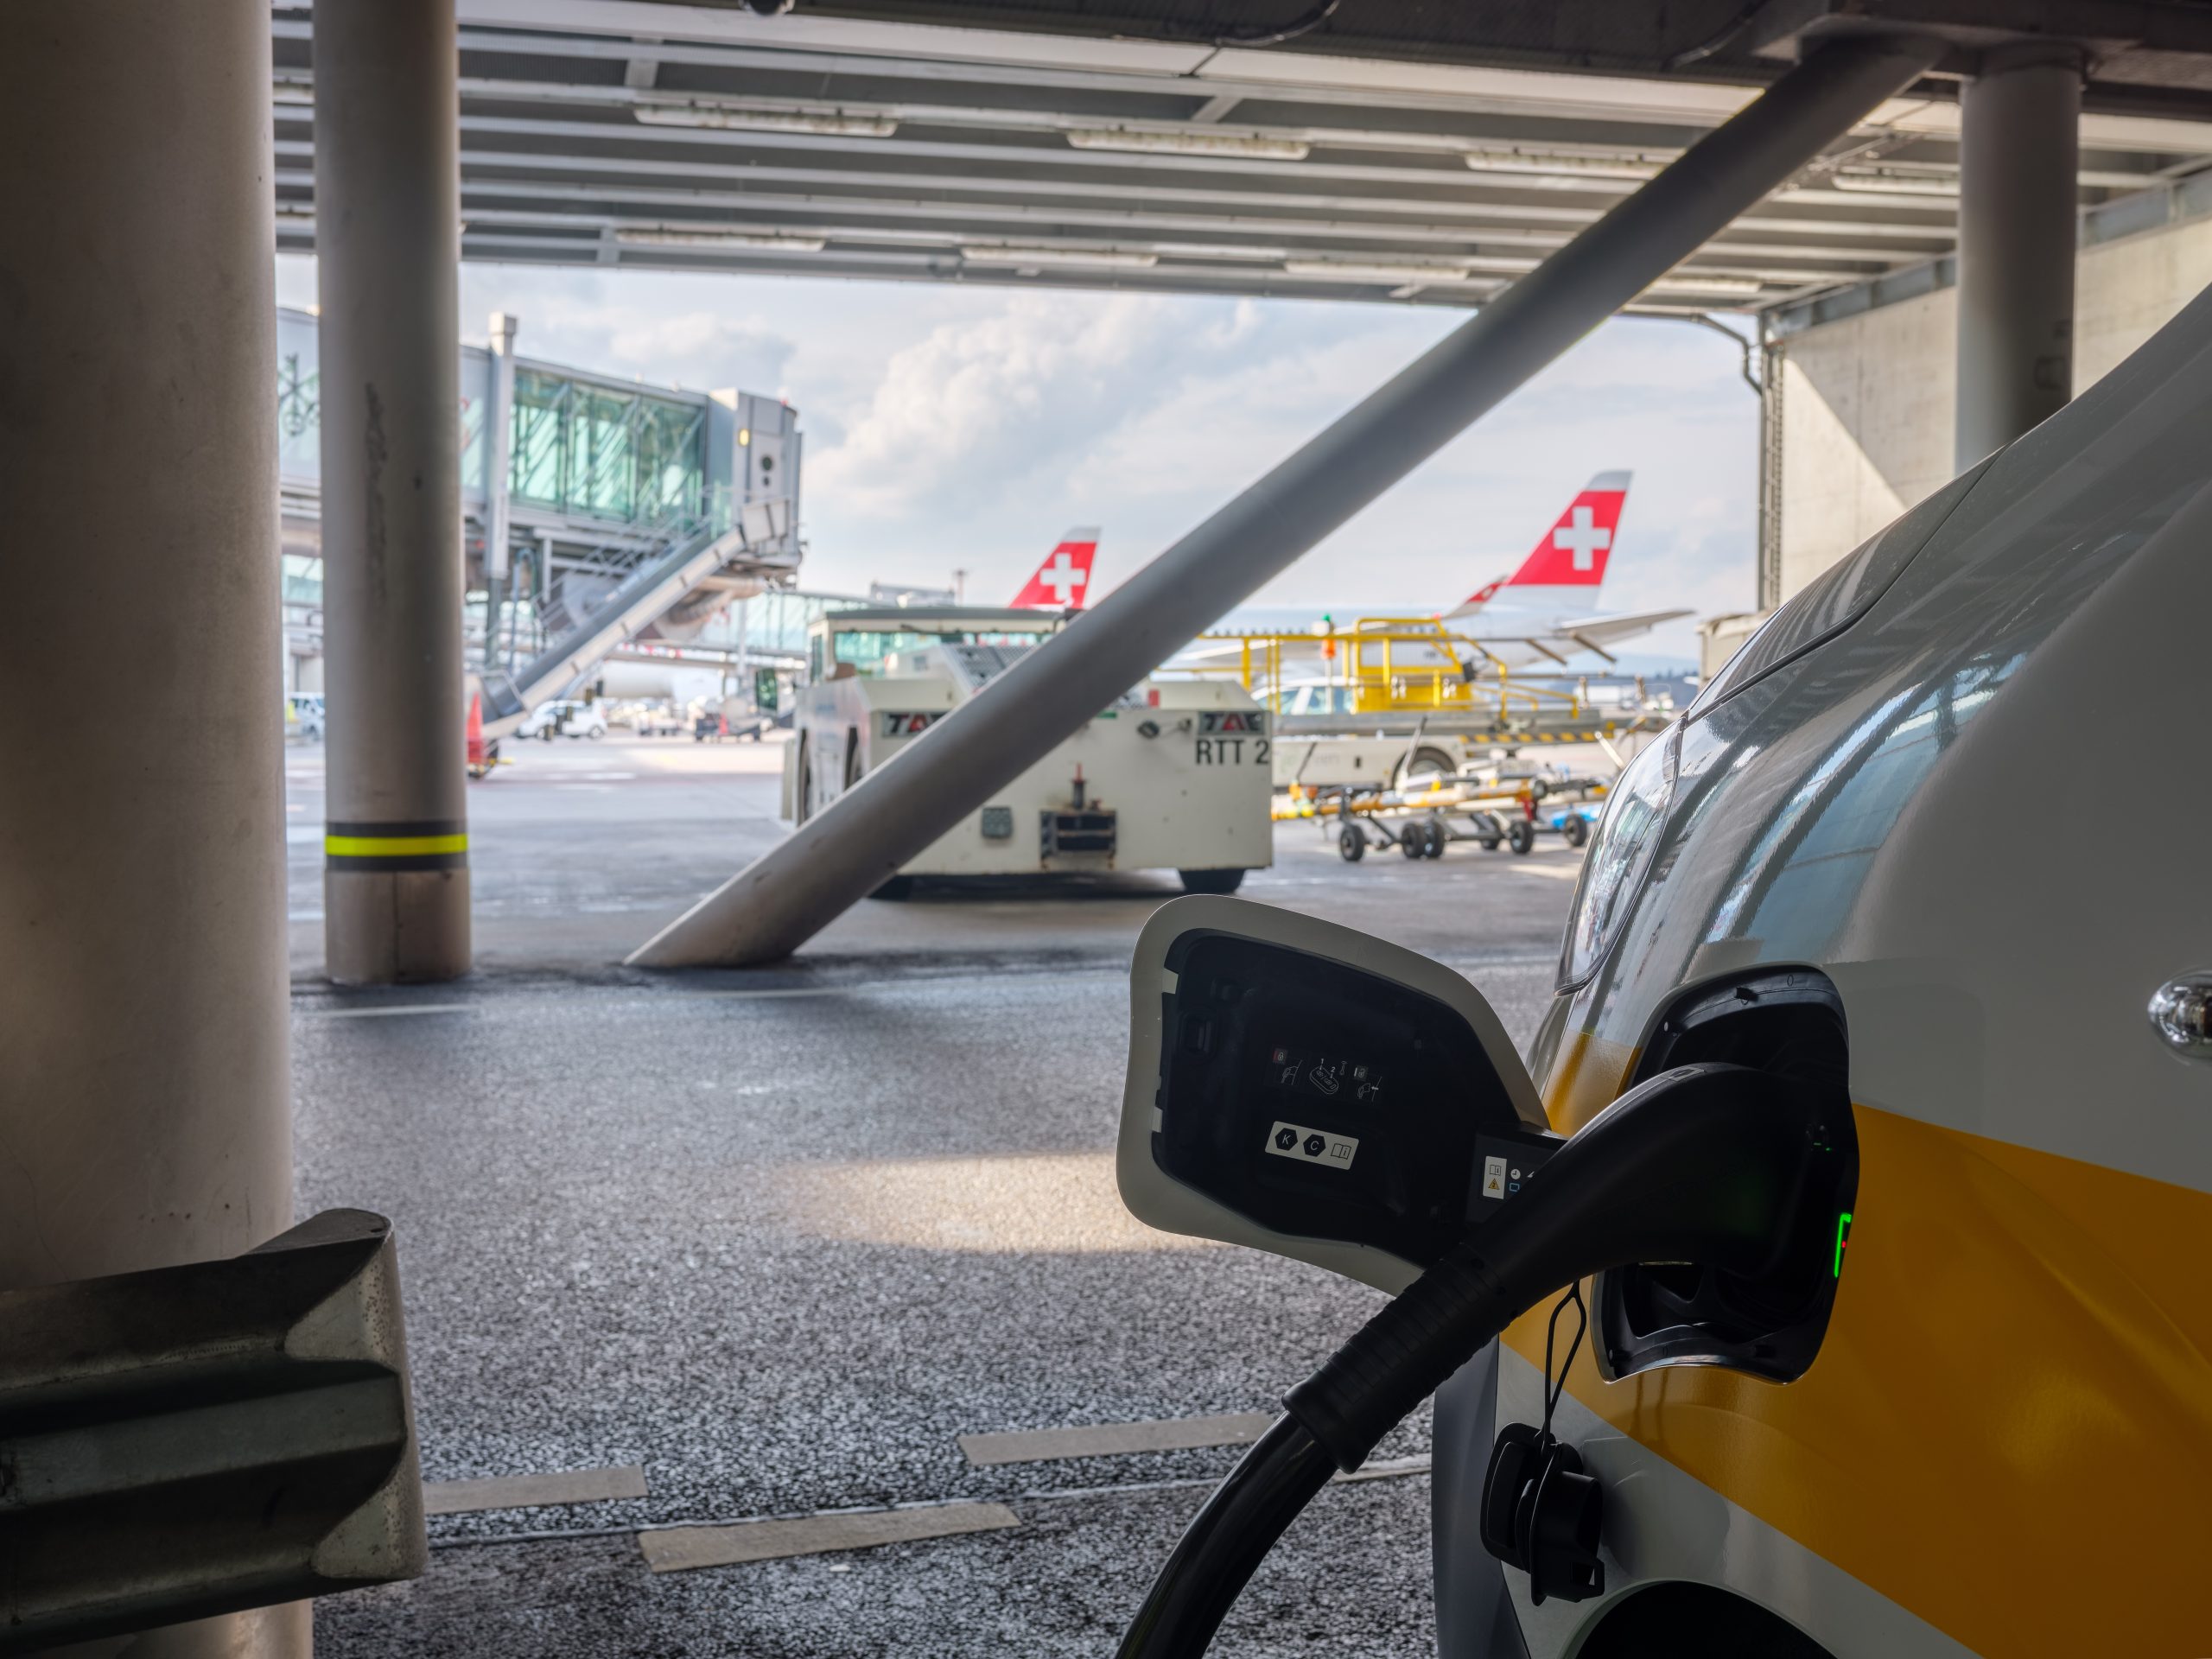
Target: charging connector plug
[1718, 1164]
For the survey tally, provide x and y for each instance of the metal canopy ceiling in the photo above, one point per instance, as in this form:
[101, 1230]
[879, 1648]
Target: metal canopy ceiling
[1397, 149]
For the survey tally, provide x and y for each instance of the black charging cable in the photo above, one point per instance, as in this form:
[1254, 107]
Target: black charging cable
[1704, 1163]
[1553, 1390]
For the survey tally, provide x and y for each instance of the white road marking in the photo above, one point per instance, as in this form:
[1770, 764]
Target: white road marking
[387, 1014]
[529, 1491]
[1388, 1469]
[680, 1550]
[1109, 1440]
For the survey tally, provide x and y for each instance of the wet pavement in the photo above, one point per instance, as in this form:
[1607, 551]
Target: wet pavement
[779, 1238]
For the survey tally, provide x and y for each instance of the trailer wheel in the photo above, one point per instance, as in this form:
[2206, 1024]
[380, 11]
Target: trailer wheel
[1352, 843]
[1575, 830]
[1521, 835]
[1423, 761]
[1224, 881]
[1432, 840]
[1412, 840]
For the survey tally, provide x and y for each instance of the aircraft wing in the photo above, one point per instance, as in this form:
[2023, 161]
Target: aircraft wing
[1568, 638]
[1600, 633]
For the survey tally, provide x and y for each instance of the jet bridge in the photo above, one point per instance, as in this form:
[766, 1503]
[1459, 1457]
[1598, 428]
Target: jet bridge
[597, 512]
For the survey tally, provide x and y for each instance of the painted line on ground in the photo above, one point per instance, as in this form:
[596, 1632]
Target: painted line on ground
[532, 1492]
[535, 999]
[387, 1014]
[680, 1549]
[1113, 1440]
[996, 975]
[1389, 1469]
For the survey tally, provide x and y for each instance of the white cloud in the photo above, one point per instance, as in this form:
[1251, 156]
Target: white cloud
[974, 401]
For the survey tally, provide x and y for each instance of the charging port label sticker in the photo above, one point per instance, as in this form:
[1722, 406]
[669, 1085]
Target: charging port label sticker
[1311, 1146]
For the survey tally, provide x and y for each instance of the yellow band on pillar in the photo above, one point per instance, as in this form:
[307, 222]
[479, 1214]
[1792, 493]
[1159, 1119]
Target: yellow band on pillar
[391, 846]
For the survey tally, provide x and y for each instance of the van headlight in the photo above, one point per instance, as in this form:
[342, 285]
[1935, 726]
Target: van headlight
[1620, 857]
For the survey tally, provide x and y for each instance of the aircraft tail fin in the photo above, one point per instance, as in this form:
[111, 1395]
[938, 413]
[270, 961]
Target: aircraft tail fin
[1062, 583]
[1565, 571]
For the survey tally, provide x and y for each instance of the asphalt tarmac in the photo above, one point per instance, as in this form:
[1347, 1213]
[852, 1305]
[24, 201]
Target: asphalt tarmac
[778, 1239]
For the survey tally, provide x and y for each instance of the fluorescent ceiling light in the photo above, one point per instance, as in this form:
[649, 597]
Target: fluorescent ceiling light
[1031, 256]
[662, 237]
[1196, 142]
[1894, 184]
[1689, 282]
[834, 123]
[1347, 271]
[1531, 161]
[1218, 250]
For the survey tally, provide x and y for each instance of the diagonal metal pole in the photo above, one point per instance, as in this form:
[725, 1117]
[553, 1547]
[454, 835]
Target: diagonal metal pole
[772, 906]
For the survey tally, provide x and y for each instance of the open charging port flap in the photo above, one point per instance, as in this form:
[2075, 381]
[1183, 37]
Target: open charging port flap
[1310, 1090]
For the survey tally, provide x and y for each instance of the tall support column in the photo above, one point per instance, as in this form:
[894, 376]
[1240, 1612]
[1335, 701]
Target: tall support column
[2019, 158]
[845, 853]
[1773, 373]
[145, 1077]
[387, 242]
[499, 423]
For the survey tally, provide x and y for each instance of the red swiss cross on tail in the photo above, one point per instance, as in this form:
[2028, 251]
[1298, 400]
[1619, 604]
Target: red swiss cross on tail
[1565, 570]
[1062, 582]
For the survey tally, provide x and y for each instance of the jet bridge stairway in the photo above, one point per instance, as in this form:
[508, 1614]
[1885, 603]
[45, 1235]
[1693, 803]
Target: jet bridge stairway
[659, 584]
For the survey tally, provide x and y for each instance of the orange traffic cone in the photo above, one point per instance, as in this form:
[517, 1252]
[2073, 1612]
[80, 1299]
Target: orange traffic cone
[479, 762]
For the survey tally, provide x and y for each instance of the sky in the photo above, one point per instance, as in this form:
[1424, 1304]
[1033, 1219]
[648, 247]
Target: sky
[952, 427]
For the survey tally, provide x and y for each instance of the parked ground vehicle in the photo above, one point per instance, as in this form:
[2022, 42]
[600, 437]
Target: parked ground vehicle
[304, 712]
[720, 718]
[1961, 1399]
[564, 717]
[1173, 775]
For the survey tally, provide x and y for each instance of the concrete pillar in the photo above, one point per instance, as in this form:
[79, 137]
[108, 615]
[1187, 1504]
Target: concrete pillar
[145, 1077]
[2019, 156]
[387, 243]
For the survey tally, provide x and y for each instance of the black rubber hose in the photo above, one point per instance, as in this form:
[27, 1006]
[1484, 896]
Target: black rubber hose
[1704, 1163]
[1217, 1553]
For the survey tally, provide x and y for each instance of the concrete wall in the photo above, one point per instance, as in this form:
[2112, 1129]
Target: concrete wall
[2131, 289]
[1865, 426]
[1866, 401]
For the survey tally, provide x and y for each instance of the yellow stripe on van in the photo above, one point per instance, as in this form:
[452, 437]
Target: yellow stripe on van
[2008, 1431]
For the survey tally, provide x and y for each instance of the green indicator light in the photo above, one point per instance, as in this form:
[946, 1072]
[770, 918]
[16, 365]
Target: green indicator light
[1842, 1238]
